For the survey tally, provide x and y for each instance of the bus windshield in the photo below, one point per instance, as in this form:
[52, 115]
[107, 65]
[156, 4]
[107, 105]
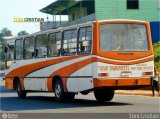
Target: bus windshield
[123, 37]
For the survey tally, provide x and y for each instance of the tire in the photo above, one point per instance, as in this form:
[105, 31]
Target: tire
[21, 93]
[103, 94]
[60, 95]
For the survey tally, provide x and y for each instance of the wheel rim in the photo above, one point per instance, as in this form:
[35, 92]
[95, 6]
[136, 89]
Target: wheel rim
[58, 90]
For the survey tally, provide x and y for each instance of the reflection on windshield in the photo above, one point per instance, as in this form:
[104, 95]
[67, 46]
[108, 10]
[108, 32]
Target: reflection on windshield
[123, 37]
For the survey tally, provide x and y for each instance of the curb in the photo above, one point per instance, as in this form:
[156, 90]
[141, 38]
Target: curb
[136, 92]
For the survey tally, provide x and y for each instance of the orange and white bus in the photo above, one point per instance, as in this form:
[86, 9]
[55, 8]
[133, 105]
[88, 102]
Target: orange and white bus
[98, 56]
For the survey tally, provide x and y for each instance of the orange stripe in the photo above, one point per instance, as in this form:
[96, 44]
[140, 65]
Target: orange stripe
[25, 70]
[67, 71]
[8, 83]
[122, 63]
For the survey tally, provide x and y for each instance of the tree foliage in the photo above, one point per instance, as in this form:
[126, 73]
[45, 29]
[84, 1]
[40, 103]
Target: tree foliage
[5, 32]
[1, 35]
[2, 44]
[21, 33]
[156, 48]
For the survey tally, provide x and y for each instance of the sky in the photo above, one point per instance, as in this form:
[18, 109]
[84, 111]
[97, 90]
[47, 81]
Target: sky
[9, 9]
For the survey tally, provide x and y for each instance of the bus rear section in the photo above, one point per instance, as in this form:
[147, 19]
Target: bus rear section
[124, 57]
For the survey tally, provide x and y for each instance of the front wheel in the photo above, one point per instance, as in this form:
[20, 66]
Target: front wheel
[21, 93]
[104, 94]
[60, 95]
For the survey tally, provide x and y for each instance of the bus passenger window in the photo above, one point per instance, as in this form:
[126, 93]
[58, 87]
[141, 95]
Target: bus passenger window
[41, 46]
[29, 47]
[54, 44]
[85, 40]
[19, 49]
[69, 42]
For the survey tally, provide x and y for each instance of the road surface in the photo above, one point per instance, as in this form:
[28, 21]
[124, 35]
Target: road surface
[45, 103]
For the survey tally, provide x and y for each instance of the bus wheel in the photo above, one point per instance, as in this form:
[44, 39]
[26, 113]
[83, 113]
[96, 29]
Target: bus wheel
[60, 95]
[21, 93]
[58, 90]
[103, 94]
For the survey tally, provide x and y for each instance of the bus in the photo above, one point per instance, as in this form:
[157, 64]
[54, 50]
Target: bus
[98, 56]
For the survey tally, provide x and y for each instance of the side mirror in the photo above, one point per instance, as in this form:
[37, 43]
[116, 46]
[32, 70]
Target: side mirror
[8, 64]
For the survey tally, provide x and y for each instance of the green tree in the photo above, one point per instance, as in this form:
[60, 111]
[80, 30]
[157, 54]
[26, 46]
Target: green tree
[1, 35]
[156, 48]
[2, 44]
[21, 33]
[5, 32]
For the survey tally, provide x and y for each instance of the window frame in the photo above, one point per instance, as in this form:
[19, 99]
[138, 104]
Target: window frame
[56, 44]
[79, 52]
[62, 43]
[36, 54]
[21, 45]
[125, 23]
[33, 47]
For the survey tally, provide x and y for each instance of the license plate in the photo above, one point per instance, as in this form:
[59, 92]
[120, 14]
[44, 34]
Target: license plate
[125, 73]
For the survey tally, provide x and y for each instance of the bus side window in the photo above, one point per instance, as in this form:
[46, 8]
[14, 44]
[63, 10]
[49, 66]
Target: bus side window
[54, 44]
[69, 42]
[18, 49]
[29, 48]
[41, 46]
[85, 40]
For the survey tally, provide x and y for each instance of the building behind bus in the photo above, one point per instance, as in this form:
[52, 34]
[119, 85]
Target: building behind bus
[81, 11]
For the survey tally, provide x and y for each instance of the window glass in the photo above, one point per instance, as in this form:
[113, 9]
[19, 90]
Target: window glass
[69, 42]
[29, 48]
[41, 46]
[132, 4]
[19, 49]
[123, 37]
[85, 40]
[54, 44]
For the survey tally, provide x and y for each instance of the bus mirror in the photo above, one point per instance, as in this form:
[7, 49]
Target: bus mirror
[8, 64]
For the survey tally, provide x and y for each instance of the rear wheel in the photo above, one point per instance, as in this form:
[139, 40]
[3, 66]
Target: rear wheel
[60, 95]
[21, 93]
[104, 94]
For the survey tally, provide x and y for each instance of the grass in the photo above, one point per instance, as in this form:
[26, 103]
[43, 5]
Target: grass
[156, 48]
